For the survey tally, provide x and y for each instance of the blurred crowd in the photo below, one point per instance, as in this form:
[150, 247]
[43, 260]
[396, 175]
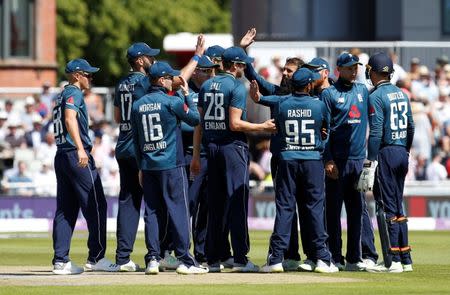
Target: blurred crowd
[27, 146]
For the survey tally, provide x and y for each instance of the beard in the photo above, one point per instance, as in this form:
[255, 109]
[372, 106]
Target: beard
[285, 86]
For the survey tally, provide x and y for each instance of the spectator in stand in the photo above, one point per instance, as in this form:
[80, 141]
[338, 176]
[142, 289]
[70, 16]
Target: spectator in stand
[399, 72]
[3, 129]
[435, 170]
[94, 103]
[21, 177]
[421, 164]
[13, 116]
[35, 136]
[413, 73]
[45, 179]
[40, 107]
[46, 97]
[14, 137]
[423, 138]
[425, 88]
[27, 117]
[275, 71]
[47, 149]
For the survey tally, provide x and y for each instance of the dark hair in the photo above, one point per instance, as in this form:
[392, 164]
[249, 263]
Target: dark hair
[227, 64]
[295, 60]
[296, 88]
[153, 80]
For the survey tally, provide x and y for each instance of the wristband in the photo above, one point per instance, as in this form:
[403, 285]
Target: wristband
[196, 57]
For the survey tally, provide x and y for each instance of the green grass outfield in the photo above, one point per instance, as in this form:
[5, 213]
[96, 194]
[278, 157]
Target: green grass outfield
[431, 256]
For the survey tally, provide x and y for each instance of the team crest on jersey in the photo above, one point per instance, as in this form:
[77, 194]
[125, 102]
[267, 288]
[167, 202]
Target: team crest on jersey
[360, 97]
[354, 112]
[70, 100]
[341, 100]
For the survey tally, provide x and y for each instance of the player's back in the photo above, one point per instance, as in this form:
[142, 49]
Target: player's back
[128, 90]
[216, 96]
[300, 119]
[396, 111]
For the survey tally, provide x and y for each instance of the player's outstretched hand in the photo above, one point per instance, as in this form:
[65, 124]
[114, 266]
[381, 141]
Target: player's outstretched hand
[83, 158]
[254, 91]
[367, 177]
[270, 126]
[248, 38]
[184, 86]
[331, 170]
[200, 46]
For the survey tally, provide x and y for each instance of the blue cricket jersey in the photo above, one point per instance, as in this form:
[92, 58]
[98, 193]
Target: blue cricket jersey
[128, 90]
[155, 120]
[299, 119]
[390, 119]
[70, 98]
[347, 106]
[216, 96]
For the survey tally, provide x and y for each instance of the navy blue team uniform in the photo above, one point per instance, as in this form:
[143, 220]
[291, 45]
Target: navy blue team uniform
[390, 139]
[159, 153]
[77, 187]
[300, 175]
[347, 104]
[128, 91]
[269, 89]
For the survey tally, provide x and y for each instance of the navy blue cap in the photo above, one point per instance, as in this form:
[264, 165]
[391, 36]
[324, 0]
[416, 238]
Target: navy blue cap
[215, 51]
[161, 69]
[347, 60]
[380, 62]
[304, 76]
[205, 63]
[236, 54]
[139, 49]
[80, 65]
[317, 64]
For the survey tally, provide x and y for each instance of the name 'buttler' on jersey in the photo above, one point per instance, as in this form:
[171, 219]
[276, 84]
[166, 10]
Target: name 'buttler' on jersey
[71, 98]
[128, 90]
[155, 119]
[300, 119]
[390, 119]
[348, 106]
[216, 96]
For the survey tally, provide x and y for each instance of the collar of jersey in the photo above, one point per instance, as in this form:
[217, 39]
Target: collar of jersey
[157, 88]
[300, 94]
[228, 74]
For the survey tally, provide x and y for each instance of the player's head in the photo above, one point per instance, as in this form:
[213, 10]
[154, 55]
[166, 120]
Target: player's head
[204, 70]
[235, 60]
[379, 67]
[292, 64]
[320, 66]
[303, 80]
[161, 74]
[79, 72]
[141, 56]
[215, 54]
[347, 66]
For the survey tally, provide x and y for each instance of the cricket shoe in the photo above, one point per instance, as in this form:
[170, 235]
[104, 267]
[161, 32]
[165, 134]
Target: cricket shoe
[407, 268]
[102, 265]
[248, 267]
[369, 262]
[168, 262]
[290, 265]
[152, 267]
[191, 270]
[307, 265]
[340, 266]
[396, 267]
[274, 268]
[215, 267]
[358, 266]
[66, 268]
[130, 266]
[229, 263]
[322, 267]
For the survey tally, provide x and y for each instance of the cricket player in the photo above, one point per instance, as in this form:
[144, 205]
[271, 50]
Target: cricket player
[222, 106]
[155, 120]
[78, 182]
[390, 138]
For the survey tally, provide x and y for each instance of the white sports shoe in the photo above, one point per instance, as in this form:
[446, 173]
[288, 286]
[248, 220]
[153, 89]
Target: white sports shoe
[307, 265]
[229, 263]
[407, 267]
[102, 265]
[249, 267]
[322, 267]
[130, 266]
[358, 266]
[290, 265]
[169, 262]
[195, 270]
[369, 262]
[272, 268]
[68, 268]
[152, 267]
[396, 267]
[215, 267]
